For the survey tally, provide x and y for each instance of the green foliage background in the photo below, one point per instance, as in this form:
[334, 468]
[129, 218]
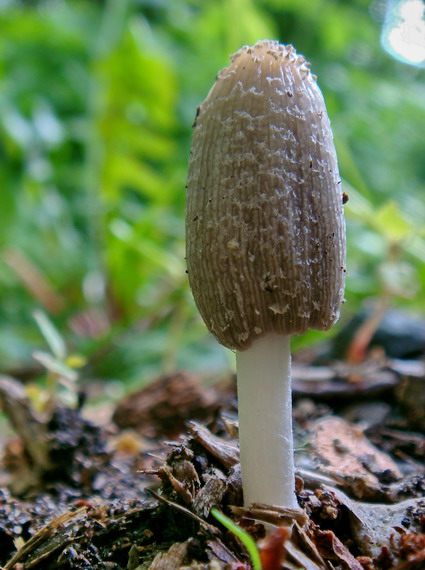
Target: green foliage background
[96, 105]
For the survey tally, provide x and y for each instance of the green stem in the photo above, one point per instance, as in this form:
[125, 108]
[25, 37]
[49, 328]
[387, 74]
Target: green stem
[243, 536]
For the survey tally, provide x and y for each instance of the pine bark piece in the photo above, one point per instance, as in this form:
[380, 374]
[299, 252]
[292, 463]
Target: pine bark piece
[165, 405]
[226, 452]
[343, 451]
[173, 558]
[210, 495]
[372, 524]
[265, 227]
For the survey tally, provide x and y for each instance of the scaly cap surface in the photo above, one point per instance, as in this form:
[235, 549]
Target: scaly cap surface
[265, 230]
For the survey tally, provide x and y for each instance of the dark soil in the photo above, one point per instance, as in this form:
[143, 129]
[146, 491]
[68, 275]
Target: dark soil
[138, 494]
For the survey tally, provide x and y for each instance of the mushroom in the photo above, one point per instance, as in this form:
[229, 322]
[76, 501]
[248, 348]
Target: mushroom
[265, 237]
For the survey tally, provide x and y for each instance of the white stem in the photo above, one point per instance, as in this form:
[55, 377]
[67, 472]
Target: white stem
[265, 422]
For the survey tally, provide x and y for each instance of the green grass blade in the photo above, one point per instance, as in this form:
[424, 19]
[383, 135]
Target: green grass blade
[243, 536]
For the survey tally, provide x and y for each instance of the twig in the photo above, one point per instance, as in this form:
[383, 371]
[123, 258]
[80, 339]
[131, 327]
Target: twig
[212, 529]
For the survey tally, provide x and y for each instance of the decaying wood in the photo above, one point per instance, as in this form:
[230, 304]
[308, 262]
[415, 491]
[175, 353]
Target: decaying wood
[411, 394]
[227, 453]
[163, 407]
[55, 536]
[342, 450]
[210, 495]
[372, 523]
[26, 423]
[272, 514]
[201, 471]
[173, 558]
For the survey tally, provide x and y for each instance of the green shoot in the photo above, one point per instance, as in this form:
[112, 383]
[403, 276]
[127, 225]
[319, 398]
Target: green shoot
[60, 366]
[51, 335]
[243, 536]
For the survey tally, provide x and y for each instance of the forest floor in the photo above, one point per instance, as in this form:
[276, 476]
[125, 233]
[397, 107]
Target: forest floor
[136, 491]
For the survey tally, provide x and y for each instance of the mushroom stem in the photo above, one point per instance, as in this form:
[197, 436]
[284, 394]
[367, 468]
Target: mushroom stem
[265, 421]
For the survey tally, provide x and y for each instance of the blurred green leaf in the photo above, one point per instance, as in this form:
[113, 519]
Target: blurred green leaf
[390, 222]
[399, 278]
[55, 366]
[96, 105]
[51, 334]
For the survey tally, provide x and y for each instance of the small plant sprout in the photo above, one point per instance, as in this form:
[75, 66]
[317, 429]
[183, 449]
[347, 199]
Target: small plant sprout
[265, 241]
[61, 367]
[243, 536]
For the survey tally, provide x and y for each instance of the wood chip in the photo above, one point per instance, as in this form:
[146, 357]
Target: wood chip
[164, 406]
[60, 532]
[209, 496]
[216, 549]
[227, 453]
[173, 558]
[344, 452]
[372, 523]
[332, 548]
[25, 422]
[271, 514]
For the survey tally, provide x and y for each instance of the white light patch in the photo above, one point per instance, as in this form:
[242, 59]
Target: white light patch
[403, 33]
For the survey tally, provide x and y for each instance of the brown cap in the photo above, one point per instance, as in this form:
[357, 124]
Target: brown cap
[265, 226]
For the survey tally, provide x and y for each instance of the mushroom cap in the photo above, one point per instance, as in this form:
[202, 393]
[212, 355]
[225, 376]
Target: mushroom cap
[265, 231]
